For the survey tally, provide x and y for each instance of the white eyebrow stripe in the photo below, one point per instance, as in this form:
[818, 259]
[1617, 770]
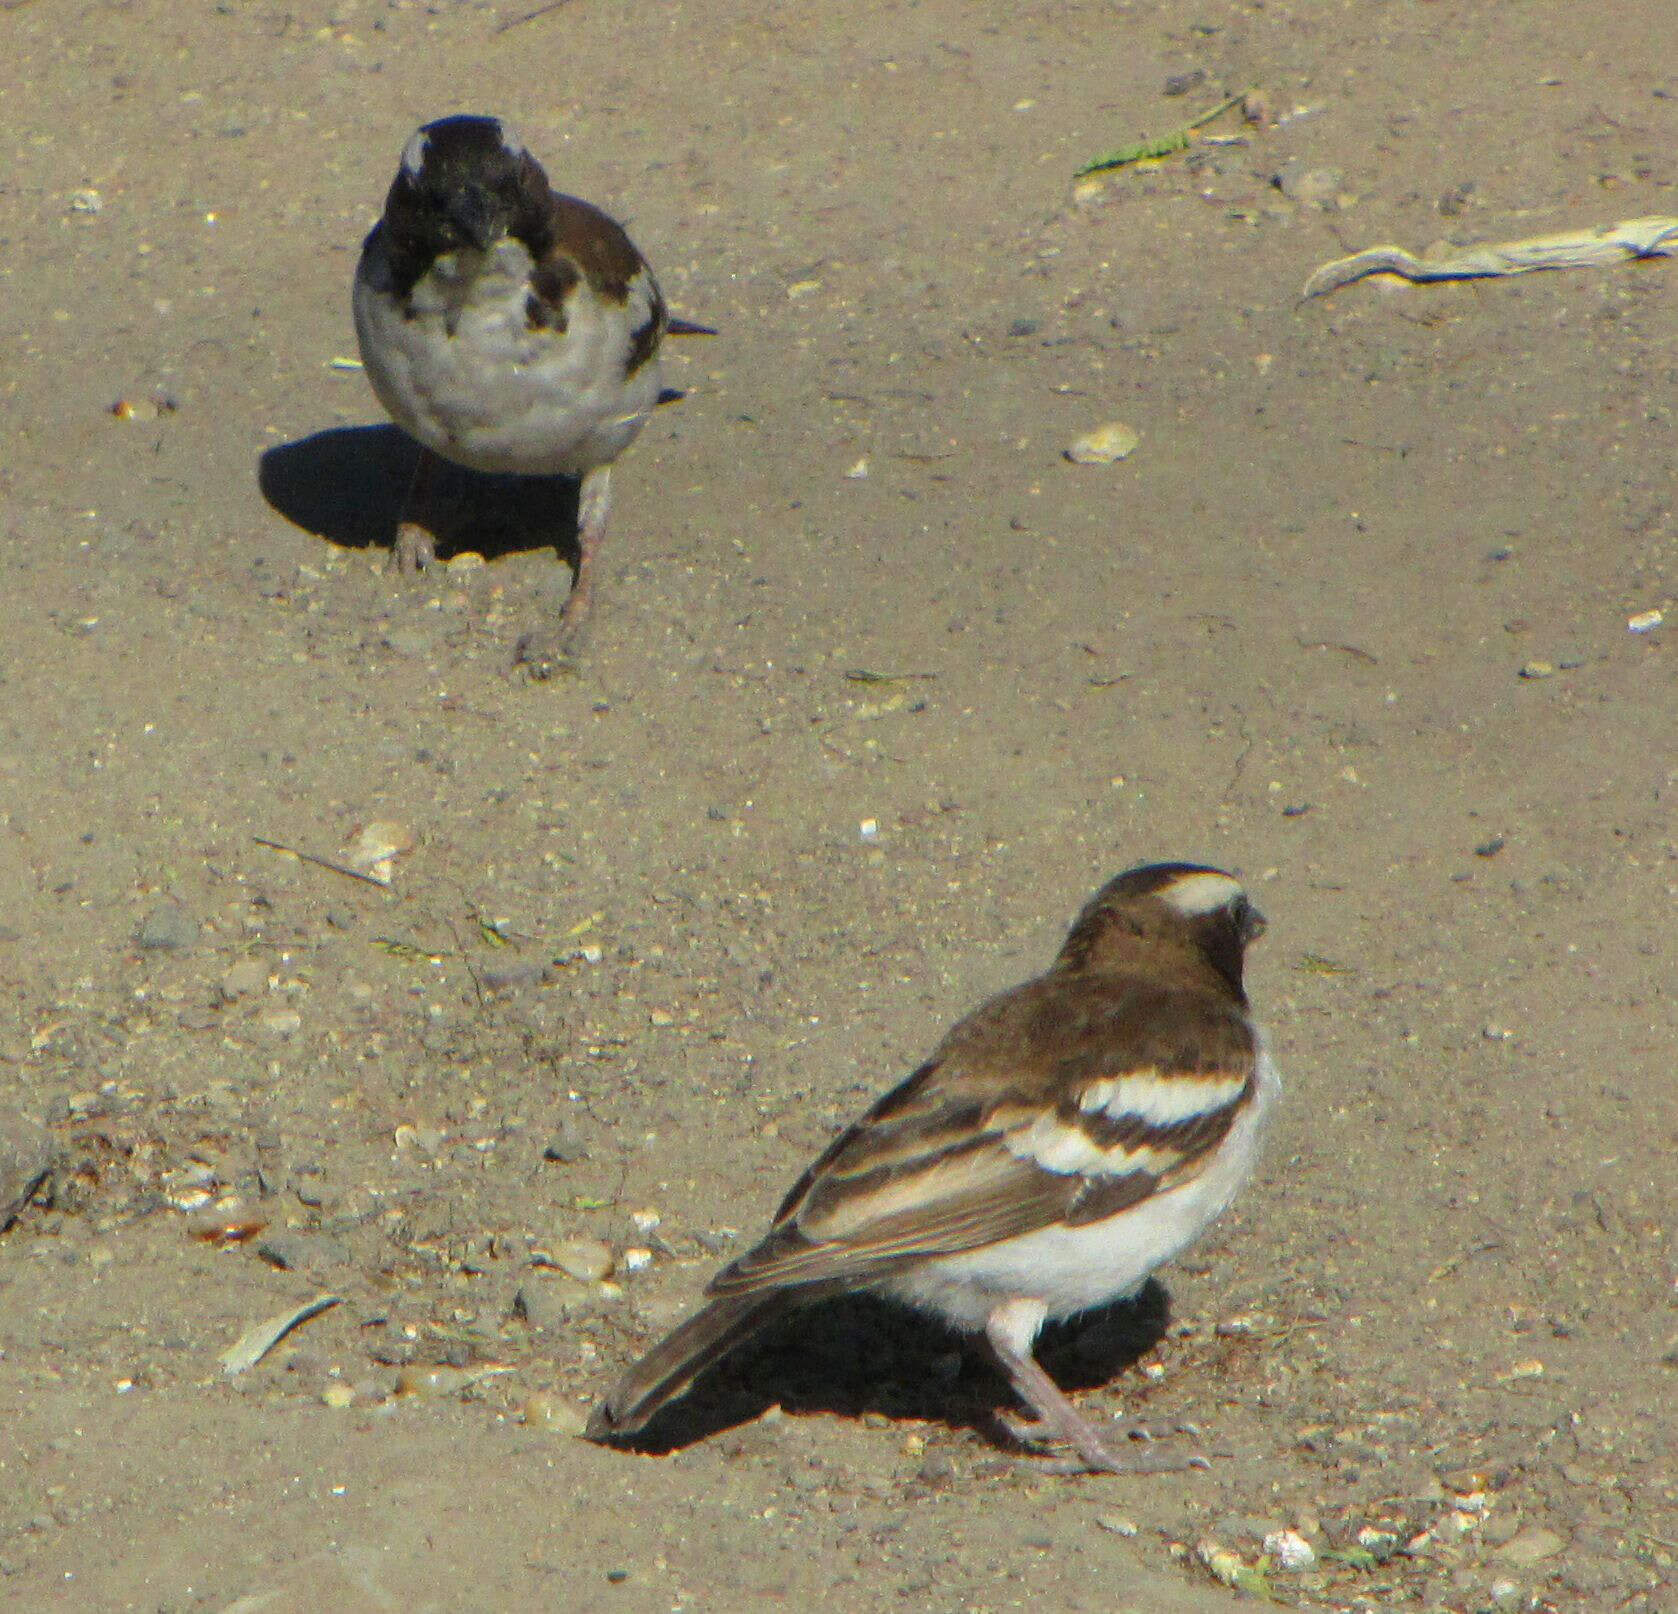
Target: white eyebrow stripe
[1195, 894]
[1161, 1100]
[413, 154]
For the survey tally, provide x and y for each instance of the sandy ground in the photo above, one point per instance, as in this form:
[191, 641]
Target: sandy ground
[643, 957]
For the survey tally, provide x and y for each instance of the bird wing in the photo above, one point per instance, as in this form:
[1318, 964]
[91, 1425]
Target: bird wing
[1059, 1101]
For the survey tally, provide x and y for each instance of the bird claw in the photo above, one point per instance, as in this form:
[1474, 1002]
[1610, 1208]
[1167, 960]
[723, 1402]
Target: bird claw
[415, 548]
[1142, 1451]
[546, 655]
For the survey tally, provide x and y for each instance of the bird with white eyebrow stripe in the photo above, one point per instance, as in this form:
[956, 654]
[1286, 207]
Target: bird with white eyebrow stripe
[1061, 1142]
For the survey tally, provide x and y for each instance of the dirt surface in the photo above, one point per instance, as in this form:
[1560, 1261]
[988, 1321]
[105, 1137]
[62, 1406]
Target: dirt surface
[646, 955]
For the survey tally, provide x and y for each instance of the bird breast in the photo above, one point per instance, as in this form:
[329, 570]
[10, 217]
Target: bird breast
[462, 366]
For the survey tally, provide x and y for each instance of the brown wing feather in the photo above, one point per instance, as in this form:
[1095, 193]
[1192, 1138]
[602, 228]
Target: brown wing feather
[948, 1160]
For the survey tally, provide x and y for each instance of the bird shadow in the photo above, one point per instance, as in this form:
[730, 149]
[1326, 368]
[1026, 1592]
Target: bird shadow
[855, 1354]
[349, 485]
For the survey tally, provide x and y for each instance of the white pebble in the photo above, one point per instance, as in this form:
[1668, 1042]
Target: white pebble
[1113, 441]
[1290, 1549]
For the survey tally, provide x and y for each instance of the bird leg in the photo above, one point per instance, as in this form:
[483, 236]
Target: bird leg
[416, 547]
[546, 653]
[1057, 1418]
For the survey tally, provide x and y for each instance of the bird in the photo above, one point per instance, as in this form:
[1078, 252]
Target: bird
[1060, 1143]
[507, 327]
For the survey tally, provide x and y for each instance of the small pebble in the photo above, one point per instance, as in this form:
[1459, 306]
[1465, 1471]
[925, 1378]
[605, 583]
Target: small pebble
[565, 1148]
[28, 1153]
[549, 1302]
[1118, 1523]
[586, 1260]
[553, 1413]
[1311, 187]
[1531, 1546]
[280, 1022]
[1182, 83]
[1222, 1564]
[1290, 1549]
[338, 1395]
[248, 975]
[1103, 445]
[1643, 621]
[1539, 668]
[433, 1381]
[168, 927]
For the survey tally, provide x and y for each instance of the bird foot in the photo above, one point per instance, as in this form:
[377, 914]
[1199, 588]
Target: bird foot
[1128, 1451]
[415, 548]
[548, 654]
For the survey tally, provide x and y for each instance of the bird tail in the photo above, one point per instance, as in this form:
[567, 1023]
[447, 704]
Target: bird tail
[678, 1359]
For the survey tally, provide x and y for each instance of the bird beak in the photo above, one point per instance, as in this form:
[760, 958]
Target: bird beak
[476, 215]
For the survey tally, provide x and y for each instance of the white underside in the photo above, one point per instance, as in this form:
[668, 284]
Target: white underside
[497, 395]
[1070, 1269]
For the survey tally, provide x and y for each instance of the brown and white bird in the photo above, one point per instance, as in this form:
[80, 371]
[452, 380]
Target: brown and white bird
[508, 328]
[1061, 1142]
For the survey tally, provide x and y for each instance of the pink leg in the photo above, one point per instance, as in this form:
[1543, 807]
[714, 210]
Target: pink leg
[1011, 1328]
[416, 547]
[546, 653]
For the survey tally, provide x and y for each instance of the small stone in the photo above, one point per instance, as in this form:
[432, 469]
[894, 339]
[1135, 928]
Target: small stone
[1530, 1546]
[248, 975]
[338, 1395]
[1310, 187]
[1500, 1528]
[548, 1303]
[1290, 1549]
[1505, 1593]
[280, 1022]
[1538, 667]
[1103, 445]
[1182, 83]
[298, 1252]
[168, 927]
[551, 1412]
[28, 1153]
[586, 1260]
[433, 1381]
[1118, 1523]
[565, 1148]
[512, 975]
